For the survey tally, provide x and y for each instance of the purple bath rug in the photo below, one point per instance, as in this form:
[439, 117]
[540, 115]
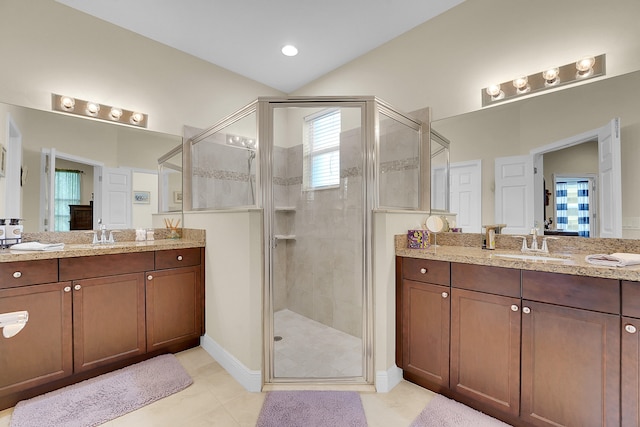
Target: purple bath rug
[100, 399]
[444, 412]
[312, 409]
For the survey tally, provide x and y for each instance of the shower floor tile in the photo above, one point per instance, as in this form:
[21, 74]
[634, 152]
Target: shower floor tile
[309, 349]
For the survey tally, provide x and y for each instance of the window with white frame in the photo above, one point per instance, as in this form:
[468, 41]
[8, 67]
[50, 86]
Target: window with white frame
[321, 136]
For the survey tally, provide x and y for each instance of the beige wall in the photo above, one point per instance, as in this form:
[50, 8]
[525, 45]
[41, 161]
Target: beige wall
[46, 47]
[445, 62]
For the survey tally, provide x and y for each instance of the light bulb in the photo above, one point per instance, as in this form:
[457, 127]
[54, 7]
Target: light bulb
[585, 64]
[92, 108]
[136, 118]
[115, 113]
[522, 85]
[493, 90]
[67, 103]
[550, 76]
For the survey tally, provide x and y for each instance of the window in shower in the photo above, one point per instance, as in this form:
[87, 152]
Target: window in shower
[322, 150]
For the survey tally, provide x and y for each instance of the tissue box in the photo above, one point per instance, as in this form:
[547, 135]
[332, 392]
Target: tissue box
[418, 239]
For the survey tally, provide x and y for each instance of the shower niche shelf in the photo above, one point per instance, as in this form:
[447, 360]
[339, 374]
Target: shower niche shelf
[284, 223]
[285, 236]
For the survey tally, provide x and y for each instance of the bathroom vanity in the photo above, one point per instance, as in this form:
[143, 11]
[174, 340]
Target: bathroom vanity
[97, 308]
[534, 343]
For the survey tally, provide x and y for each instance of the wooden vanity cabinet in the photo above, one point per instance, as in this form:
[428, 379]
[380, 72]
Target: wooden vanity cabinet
[42, 351]
[173, 298]
[99, 313]
[485, 335]
[108, 320]
[630, 354]
[108, 307]
[570, 350]
[425, 314]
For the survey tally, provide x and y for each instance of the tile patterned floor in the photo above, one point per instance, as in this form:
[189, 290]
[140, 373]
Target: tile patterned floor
[216, 399]
[309, 349]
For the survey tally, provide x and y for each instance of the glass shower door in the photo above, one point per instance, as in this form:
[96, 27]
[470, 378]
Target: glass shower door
[318, 211]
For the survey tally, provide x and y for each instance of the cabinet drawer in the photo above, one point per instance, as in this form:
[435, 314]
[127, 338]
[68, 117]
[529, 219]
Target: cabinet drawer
[177, 258]
[483, 278]
[22, 273]
[424, 270]
[105, 265]
[631, 299]
[589, 293]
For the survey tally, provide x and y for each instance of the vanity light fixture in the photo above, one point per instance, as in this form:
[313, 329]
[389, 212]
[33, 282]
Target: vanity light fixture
[583, 69]
[79, 107]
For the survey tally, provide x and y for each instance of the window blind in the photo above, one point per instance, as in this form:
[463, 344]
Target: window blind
[322, 150]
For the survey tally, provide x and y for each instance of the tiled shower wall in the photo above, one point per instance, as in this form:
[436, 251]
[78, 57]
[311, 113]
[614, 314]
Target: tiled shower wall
[222, 176]
[319, 273]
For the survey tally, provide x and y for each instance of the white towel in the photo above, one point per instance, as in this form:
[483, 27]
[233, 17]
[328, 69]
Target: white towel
[614, 260]
[37, 246]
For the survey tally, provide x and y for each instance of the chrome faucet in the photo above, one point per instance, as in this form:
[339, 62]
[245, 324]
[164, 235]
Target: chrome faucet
[103, 239]
[534, 243]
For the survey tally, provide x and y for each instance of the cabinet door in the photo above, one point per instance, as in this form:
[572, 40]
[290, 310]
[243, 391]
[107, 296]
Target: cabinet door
[173, 306]
[108, 320]
[485, 348]
[425, 312]
[41, 351]
[570, 366]
[630, 372]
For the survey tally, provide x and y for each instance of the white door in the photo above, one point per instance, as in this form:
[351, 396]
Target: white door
[116, 198]
[438, 188]
[466, 195]
[514, 193]
[609, 184]
[610, 176]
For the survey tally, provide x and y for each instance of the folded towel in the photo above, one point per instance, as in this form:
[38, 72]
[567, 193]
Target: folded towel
[614, 260]
[37, 246]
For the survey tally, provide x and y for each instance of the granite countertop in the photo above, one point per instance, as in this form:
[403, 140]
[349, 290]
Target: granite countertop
[571, 263]
[75, 246]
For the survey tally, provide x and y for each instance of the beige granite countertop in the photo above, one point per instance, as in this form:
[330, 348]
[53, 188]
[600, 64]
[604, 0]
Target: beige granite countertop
[75, 246]
[572, 262]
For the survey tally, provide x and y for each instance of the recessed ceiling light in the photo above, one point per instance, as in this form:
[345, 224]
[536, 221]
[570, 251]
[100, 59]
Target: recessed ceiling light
[289, 50]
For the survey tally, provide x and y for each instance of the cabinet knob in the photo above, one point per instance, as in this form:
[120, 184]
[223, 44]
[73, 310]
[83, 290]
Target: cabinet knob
[17, 274]
[445, 294]
[150, 277]
[179, 257]
[423, 270]
[526, 310]
[77, 287]
[514, 307]
[67, 288]
[630, 328]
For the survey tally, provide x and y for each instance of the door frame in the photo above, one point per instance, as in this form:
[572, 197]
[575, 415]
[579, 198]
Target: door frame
[614, 193]
[46, 215]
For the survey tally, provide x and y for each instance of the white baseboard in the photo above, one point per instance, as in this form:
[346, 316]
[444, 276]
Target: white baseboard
[250, 380]
[387, 380]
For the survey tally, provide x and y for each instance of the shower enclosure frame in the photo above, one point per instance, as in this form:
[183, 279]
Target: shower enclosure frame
[370, 138]
[370, 110]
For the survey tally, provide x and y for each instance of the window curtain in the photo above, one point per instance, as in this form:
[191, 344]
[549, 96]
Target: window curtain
[562, 220]
[583, 208]
[67, 192]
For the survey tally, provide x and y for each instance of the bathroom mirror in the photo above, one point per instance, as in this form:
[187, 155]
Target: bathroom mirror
[519, 127]
[82, 145]
[439, 172]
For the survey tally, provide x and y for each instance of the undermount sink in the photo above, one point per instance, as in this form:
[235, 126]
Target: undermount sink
[525, 257]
